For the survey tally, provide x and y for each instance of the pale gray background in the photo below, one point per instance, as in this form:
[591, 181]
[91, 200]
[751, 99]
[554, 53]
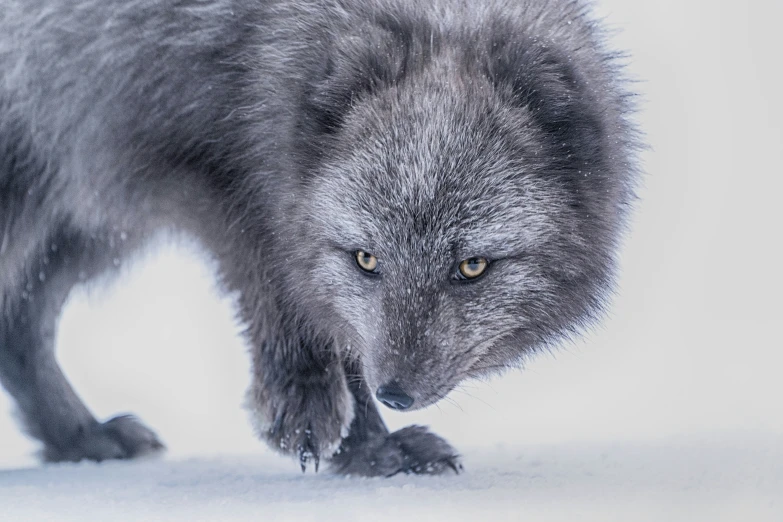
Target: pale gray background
[690, 356]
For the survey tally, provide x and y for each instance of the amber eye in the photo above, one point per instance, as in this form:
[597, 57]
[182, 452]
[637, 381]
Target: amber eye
[367, 262]
[472, 268]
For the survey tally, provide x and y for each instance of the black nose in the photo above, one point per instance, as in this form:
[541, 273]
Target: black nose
[392, 396]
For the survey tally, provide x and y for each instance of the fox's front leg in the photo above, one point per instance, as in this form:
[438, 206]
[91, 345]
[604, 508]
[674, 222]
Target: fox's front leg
[370, 450]
[299, 399]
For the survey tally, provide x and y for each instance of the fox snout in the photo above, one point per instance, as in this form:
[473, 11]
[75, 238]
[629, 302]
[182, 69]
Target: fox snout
[393, 396]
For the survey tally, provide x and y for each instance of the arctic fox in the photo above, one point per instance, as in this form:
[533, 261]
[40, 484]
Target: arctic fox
[402, 194]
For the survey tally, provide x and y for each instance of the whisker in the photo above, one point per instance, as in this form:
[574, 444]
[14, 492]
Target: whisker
[455, 403]
[474, 397]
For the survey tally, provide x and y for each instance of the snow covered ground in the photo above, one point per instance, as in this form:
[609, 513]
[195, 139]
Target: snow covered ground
[670, 411]
[650, 482]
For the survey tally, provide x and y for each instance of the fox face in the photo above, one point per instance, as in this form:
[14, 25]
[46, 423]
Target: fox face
[450, 229]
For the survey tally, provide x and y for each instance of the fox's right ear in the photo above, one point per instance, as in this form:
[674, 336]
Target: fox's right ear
[352, 70]
[372, 57]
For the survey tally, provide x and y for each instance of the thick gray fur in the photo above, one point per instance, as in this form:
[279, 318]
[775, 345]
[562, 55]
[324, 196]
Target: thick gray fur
[286, 135]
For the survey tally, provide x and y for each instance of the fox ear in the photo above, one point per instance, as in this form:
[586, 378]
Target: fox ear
[354, 69]
[341, 86]
[534, 76]
[368, 58]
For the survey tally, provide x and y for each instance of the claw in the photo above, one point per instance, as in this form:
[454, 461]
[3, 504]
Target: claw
[277, 425]
[303, 456]
[309, 449]
[455, 466]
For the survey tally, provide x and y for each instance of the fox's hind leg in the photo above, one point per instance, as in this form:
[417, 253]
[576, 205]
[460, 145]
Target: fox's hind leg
[49, 408]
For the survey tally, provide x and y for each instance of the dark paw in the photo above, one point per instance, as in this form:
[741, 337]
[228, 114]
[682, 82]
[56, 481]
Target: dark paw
[307, 421]
[122, 437]
[410, 450]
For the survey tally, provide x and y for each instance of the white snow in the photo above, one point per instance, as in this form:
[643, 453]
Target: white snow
[670, 411]
[708, 481]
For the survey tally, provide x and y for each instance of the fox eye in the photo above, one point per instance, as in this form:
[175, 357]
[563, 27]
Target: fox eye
[366, 261]
[472, 268]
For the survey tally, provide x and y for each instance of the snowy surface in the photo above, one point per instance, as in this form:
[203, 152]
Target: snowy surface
[670, 411]
[592, 482]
